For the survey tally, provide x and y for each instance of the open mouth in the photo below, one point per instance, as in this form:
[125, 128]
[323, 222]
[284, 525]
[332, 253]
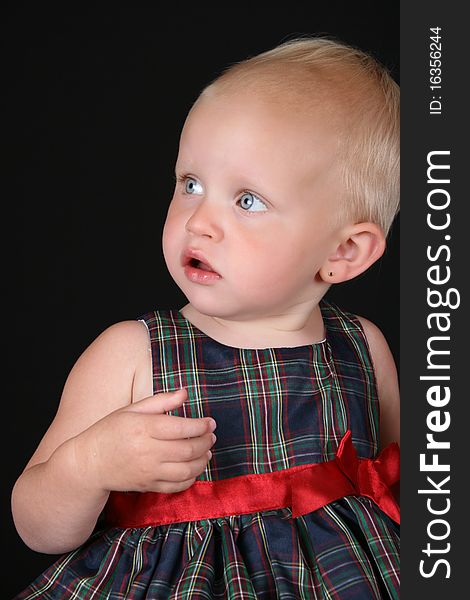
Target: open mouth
[199, 264]
[197, 269]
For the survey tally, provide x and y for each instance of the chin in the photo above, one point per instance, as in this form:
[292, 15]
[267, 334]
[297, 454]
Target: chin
[210, 307]
[215, 301]
[226, 309]
[205, 301]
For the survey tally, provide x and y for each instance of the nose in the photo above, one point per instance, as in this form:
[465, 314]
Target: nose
[205, 221]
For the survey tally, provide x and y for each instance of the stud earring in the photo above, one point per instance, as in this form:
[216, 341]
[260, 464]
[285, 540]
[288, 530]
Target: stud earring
[330, 273]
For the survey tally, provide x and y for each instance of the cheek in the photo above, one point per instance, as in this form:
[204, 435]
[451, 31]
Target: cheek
[279, 247]
[287, 259]
[171, 236]
[264, 259]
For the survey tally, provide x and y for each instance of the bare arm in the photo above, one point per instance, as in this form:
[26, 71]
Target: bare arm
[387, 383]
[100, 440]
[54, 493]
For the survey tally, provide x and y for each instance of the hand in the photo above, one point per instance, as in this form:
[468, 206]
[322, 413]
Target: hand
[140, 448]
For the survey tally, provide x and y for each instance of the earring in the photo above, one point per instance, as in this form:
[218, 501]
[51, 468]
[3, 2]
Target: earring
[330, 273]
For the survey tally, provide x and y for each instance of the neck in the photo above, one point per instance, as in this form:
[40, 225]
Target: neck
[301, 325]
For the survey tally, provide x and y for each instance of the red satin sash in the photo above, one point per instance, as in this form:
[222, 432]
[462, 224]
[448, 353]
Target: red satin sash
[303, 488]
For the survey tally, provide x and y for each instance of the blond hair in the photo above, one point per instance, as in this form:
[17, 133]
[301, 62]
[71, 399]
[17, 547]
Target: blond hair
[359, 96]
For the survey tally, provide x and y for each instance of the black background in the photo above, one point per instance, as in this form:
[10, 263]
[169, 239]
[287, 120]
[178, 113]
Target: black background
[95, 101]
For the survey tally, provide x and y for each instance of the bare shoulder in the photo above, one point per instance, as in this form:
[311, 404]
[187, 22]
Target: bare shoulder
[109, 363]
[380, 350]
[387, 382]
[100, 382]
[117, 346]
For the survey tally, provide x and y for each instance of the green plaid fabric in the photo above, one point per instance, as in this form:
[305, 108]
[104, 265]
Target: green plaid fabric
[275, 408]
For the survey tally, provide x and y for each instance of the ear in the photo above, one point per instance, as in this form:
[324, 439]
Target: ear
[360, 246]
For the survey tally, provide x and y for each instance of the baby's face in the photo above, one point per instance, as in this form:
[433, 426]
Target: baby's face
[248, 227]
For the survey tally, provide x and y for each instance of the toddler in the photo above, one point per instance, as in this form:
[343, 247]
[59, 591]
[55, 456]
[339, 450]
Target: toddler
[286, 183]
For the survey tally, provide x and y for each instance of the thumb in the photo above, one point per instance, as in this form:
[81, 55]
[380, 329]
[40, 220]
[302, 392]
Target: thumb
[160, 403]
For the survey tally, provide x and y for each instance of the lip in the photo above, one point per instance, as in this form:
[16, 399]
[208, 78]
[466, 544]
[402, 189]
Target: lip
[195, 273]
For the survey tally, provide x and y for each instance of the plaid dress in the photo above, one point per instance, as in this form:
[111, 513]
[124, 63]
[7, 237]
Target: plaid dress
[275, 409]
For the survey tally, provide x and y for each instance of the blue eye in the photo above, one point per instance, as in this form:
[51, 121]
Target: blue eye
[191, 186]
[251, 203]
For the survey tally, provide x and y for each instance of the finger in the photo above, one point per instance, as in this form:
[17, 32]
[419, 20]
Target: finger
[170, 487]
[183, 471]
[187, 450]
[171, 427]
[160, 403]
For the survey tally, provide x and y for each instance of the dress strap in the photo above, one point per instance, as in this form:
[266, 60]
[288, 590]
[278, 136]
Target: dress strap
[354, 383]
[304, 489]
